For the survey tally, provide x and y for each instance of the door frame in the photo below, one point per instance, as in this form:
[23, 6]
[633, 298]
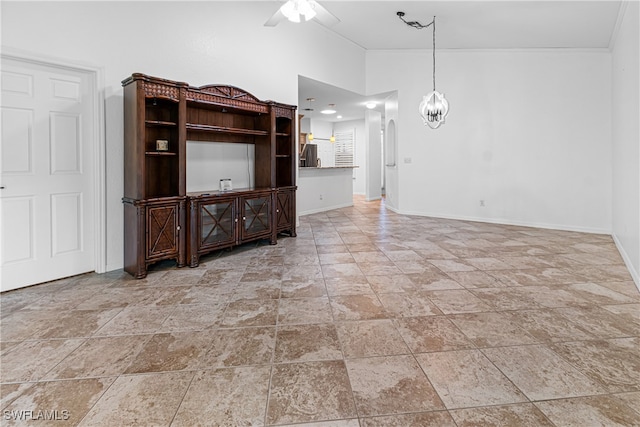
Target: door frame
[97, 86]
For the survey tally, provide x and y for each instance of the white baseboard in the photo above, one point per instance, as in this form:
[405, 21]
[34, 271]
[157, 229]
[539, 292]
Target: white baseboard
[325, 208]
[393, 209]
[112, 267]
[511, 222]
[625, 257]
[634, 273]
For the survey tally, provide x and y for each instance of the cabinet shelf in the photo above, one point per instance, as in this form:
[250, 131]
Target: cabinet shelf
[282, 156]
[242, 108]
[159, 123]
[159, 153]
[224, 129]
[282, 134]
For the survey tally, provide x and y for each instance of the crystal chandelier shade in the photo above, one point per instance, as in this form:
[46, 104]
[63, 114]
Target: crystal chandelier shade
[434, 107]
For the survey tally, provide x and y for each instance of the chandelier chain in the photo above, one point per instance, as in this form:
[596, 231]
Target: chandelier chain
[419, 26]
[434, 52]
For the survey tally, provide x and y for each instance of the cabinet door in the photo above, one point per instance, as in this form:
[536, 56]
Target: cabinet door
[163, 230]
[256, 216]
[217, 224]
[284, 210]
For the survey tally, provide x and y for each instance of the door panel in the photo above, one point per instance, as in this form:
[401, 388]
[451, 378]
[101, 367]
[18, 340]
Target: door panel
[217, 224]
[162, 230]
[66, 89]
[17, 240]
[283, 210]
[47, 222]
[17, 83]
[17, 141]
[67, 223]
[256, 216]
[66, 148]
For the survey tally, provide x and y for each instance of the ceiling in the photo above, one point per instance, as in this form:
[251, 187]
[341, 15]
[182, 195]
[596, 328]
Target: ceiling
[477, 24]
[349, 105]
[374, 25]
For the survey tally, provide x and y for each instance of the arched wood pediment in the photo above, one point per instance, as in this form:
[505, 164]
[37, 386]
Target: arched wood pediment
[229, 92]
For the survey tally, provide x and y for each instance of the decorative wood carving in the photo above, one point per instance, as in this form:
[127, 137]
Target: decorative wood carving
[229, 92]
[283, 111]
[154, 90]
[243, 102]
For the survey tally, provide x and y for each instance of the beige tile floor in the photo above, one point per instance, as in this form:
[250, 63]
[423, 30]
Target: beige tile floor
[367, 318]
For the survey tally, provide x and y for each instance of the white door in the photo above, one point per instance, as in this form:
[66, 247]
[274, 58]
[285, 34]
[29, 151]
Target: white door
[46, 173]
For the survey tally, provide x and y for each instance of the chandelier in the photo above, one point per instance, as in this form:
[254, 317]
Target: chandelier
[434, 107]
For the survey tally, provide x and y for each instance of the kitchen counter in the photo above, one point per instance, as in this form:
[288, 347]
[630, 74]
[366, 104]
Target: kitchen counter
[328, 167]
[324, 188]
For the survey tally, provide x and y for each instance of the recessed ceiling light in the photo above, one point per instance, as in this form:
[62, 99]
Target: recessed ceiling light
[330, 110]
[370, 105]
[338, 117]
[309, 100]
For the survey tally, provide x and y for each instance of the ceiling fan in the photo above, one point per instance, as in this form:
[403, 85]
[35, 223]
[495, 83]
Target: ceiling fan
[301, 11]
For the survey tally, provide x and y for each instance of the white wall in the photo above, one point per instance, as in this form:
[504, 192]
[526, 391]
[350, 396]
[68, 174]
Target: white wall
[373, 180]
[626, 137]
[528, 132]
[391, 171]
[196, 42]
[238, 165]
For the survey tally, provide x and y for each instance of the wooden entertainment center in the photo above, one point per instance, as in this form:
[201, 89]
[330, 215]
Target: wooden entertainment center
[163, 221]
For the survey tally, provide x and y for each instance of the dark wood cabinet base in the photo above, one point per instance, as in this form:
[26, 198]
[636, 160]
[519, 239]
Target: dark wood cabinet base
[227, 219]
[157, 223]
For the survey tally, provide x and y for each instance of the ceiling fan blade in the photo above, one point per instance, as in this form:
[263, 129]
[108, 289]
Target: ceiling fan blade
[275, 19]
[323, 16]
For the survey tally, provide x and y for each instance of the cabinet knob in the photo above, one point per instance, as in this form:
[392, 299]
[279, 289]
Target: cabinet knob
[178, 228]
[244, 218]
[277, 210]
[236, 219]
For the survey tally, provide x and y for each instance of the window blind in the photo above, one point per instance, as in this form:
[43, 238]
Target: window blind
[344, 148]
